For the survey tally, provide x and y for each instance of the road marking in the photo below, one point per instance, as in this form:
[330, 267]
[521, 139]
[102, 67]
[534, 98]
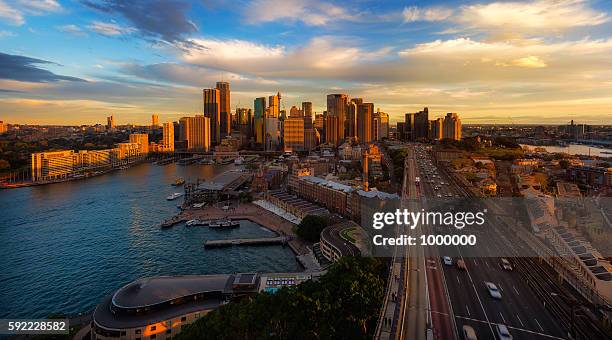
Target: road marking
[502, 316]
[511, 327]
[519, 319]
[487, 263]
[536, 320]
[475, 262]
[458, 282]
[516, 291]
[500, 287]
[468, 310]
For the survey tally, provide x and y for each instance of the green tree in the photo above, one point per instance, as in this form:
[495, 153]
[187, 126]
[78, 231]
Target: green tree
[310, 228]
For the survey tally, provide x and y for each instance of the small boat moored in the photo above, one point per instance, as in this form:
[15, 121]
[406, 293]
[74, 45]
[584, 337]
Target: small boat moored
[174, 196]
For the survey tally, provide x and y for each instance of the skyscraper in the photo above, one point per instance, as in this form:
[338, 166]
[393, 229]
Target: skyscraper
[244, 124]
[259, 120]
[110, 122]
[3, 127]
[332, 127]
[212, 110]
[364, 122]
[307, 109]
[336, 107]
[295, 112]
[409, 127]
[351, 117]
[452, 126]
[196, 131]
[274, 105]
[421, 125]
[168, 137]
[318, 122]
[380, 125]
[436, 129]
[154, 121]
[224, 109]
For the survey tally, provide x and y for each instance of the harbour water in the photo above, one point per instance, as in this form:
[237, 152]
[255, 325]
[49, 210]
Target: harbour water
[574, 149]
[64, 246]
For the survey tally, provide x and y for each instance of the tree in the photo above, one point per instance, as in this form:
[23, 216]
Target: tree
[311, 227]
[564, 163]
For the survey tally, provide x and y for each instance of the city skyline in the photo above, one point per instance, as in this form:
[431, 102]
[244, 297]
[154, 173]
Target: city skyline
[476, 58]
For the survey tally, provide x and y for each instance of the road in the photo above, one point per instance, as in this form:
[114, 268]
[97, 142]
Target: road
[470, 303]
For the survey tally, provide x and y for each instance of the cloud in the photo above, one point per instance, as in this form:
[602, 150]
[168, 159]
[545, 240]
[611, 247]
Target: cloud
[164, 20]
[10, 14]
[22, 68]
[109, 29]
[71, 29]
[38, 7]
[310, 12]
[530, 17]
[414, 13]
[6, 34]
[530, 62]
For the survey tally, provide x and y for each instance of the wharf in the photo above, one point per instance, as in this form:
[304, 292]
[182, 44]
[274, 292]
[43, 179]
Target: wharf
[246, 242]
[171, 222]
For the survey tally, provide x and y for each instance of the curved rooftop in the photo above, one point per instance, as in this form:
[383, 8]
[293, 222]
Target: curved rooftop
[156, 290]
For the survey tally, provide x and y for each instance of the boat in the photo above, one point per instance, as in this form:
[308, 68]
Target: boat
[199, 205]
[174, 196]
[196, 222]
[234, 223]
[178, 182]
[214, 225]
[607, 152]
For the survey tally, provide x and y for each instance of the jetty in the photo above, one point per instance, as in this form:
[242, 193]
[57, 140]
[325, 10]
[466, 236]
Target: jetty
[246, 242]
[170, 222]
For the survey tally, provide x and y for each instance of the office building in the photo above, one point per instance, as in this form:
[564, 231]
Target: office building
[436, 129]
[452, 126]
[142, 139]
[307, 109]
[272, 133]
[212, 110]
[196, 132]
[318, 122]
[293, 134]
[110, 122]
[351, 117]
[336, 107]
[380, 125]
[258, 124]
[154, 121]
[409, 126]
[168, 137]
[332, 128]
[274, 106]
[245, 124]
[294, 112]
[52, 165]
[365, 112]
[400, 129]
[3, 127]
[421, 125]
[224, 109]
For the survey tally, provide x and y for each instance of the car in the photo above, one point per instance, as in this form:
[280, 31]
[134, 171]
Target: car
[469, 333]
[493, 291]
[461, 264]
[502, 332]
[447, 260]
[505, 264]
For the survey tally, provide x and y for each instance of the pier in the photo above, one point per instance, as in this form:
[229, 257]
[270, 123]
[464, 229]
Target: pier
[169, 223]
[246, 242]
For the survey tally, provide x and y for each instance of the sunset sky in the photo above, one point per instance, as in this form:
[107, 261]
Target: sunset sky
[75, 62]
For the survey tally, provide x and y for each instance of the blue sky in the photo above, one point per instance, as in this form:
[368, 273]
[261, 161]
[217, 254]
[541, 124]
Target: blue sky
[539, 61]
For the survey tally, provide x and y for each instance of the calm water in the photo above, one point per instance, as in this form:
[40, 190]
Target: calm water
[574, 149]
[64, 246]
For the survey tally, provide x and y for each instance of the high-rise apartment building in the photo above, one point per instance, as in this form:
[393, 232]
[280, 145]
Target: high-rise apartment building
[168, 137]
[365, 112]
[259, 120]
[154, 121]
[212, 110]
[336, 107]
[436, 129]
[224, 109]
[3, 127]
[452, 126]
[142, 139]
[110, 122]
[52, 165]
[293, 134]
[196, 132]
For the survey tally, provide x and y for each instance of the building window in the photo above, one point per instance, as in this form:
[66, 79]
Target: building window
[138, 331]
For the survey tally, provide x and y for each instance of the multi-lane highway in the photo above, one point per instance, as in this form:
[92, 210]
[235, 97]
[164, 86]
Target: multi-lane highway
[470, 303]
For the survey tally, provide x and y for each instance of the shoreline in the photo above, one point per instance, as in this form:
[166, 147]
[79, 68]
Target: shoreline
[255, 214]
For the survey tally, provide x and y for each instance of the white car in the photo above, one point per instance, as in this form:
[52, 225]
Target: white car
[493, 291]
[447, 260]
[503, 333]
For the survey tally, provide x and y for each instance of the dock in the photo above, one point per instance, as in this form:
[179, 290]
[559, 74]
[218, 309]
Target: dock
[169, 223]
[246, 242]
